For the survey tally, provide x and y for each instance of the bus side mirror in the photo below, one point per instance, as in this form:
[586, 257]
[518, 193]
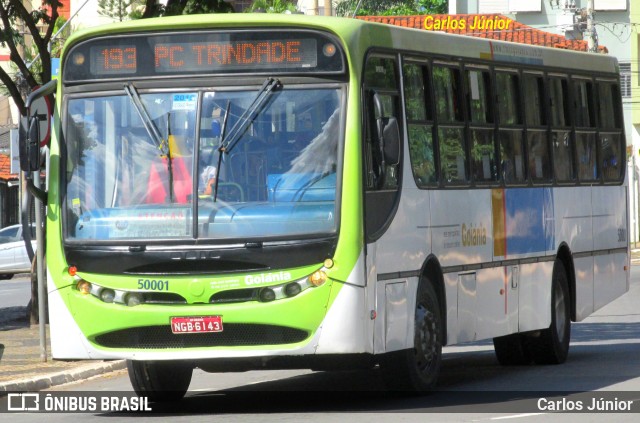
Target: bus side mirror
[30, 147]
[29, 134]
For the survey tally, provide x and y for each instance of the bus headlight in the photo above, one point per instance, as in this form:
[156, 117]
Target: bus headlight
[292, 289]
[107, 295]
[318, 278]
[267, 294]
[133, 299]
[84, 287]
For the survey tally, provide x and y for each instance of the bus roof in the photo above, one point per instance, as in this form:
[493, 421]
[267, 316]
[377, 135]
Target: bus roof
[358, 36]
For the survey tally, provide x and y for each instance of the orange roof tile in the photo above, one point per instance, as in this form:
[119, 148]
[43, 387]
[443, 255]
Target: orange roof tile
[493, 26]
[5, 169]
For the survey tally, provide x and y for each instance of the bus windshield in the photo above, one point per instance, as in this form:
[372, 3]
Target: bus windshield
[141, 165]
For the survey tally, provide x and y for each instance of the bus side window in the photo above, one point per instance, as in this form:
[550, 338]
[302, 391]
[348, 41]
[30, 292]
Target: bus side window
[585, 130]
[539, 167]
[381, 78]
[417, 95]
[510, 140]
[610, 137]
[381, 82]
[447, 86]
[561, 141]
[484, 163]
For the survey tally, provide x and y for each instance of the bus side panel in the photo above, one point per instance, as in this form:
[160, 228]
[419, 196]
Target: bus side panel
[485, 304]
[535, 296]
[574, 223]
[584, 286]
[395, 305]
[404, 246]
[460, 226]
[406, 243]
[610, 231]
[497, 309]
[610, 279]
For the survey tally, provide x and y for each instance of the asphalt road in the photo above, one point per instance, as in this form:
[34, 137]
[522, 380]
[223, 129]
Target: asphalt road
[603, 363]
[15, 292]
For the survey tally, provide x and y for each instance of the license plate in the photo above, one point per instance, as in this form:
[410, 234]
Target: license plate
[196, 324]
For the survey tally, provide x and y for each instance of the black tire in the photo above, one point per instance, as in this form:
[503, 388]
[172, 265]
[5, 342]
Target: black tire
[512, 350]
[160, 380]
[552, 346]
[416, 370]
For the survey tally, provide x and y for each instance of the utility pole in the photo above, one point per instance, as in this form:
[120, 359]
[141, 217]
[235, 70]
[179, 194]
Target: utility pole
[592, 35]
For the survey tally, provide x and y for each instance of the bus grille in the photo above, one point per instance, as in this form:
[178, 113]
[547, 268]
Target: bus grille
[234, 334]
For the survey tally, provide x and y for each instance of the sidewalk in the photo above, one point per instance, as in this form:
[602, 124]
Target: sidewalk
[21, 368]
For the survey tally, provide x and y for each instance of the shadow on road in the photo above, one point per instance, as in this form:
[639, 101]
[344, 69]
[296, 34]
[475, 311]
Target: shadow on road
[470, 381]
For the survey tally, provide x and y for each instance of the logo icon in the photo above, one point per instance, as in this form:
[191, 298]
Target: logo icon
[24, 402]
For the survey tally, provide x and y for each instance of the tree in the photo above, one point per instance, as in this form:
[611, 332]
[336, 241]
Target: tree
[391, 7]
[115, 9]
[272, 6]
[152, 8]
[14, 17]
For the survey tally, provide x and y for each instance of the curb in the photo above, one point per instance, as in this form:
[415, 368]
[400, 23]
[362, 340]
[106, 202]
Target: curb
[38, 383]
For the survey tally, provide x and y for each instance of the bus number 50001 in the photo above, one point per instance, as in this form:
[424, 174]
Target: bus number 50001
[153, 285]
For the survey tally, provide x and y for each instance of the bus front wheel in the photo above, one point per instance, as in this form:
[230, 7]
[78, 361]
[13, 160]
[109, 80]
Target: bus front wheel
[417, 369]
[160, 380]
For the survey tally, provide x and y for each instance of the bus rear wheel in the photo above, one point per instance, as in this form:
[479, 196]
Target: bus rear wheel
[160, 380]
[416, 370]
[552, 345]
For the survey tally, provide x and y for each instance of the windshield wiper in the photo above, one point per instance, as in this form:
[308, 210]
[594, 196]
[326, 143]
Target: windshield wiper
[258, 103]
[240, 127]
[153, 131]
[221, 149]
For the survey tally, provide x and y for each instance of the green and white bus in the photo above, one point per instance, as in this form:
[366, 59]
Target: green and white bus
[231, 192]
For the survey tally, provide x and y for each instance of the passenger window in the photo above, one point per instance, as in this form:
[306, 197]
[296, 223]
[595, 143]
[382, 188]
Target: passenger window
[609, 115]
[447, 87]
[507, 88]
[561, 141]
[420, 125]
[559, 105]
[512, 156]
[481, 130]
[612, 156]
[583, 100]
[587, 163]
[533, 88]
[585, 136]
[452, 155]
[562, 155]
[610, 140]
[510, 133]
[381, 78]
[539, 166]
[479, 96]
[382, 160]
[451, 140]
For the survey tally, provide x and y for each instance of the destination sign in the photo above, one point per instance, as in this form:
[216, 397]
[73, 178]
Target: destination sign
[202, 53]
